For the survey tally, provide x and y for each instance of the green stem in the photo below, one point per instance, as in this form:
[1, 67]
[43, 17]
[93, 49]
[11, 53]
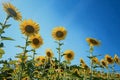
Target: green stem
[108, 75]
[26, 44]
[6, 19]
[59, 52]
[91, 63]
[34, 52]
[59, 57]
[23, 58]
[113, 73]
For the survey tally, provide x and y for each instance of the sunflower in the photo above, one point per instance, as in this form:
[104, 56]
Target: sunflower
[36, 41]
[93, 42]
[116, 59]
[12, 11]
[84, 65]
[26, 78]
[104, 63]
[49, 53]
[59, 33]
[109, 59]
[95, 60]
[69, 55]
[81, 61]
[76, 71]
[42, 59]
[29, 27]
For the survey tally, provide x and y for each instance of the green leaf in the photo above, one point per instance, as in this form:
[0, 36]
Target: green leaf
[7, 26]
[61, 44]
[18, 46]
[1, 24]
[1, 55]
[1, 31]
[7, 38]
[1, 45]
[12, 62]
[58, 48]
[2, 51]
[91, 57]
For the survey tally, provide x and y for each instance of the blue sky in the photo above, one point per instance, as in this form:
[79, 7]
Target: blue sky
[99, 19]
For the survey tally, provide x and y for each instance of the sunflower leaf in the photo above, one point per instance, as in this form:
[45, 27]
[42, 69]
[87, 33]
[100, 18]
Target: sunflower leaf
[1, 31]
[7, 38]
[61, 44]
[1, 55]
[7, 26]
[1, 23]
[1, 45]
[58, 49]
[90, 57]
[2, 51]
[20, 46]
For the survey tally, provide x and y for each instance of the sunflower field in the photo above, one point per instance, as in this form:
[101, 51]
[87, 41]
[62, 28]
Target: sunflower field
[50, 67]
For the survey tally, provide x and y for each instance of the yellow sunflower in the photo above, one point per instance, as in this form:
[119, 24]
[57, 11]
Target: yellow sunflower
[69, 55]
[116, 59]
[36, 41]
[12, 11]
[109, 59]
[37, 59]
[76, 71]
[81, 61]
[93, 42]
[40, 60]
[104, 63]
[95, 60]
[49, 53]
[26, 78]
[29, 27]
[84, 65]
[59, 33]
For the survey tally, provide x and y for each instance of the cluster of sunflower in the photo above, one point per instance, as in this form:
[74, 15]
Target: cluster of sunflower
[49, 67]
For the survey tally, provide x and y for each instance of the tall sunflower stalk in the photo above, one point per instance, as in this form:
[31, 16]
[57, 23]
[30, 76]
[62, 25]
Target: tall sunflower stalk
[29, 28]
[110, 62]
[92, 42]
[2, 29]
[59, 52]
[59, 55]
[59, 33]
[12, 12]
[23, 58]
[91, 62]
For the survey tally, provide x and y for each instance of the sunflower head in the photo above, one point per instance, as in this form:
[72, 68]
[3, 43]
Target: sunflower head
[95, 60]
[59, 33]
[42, 59]
[69, 55]
[29, 27]
[76, 71]
[116, 59]
[49, 53]
[81, 61]
[93, 42]
[104, 63]
[12, 11]
[109, 59]
[84, 65]
[26, 78]
[36, 41]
